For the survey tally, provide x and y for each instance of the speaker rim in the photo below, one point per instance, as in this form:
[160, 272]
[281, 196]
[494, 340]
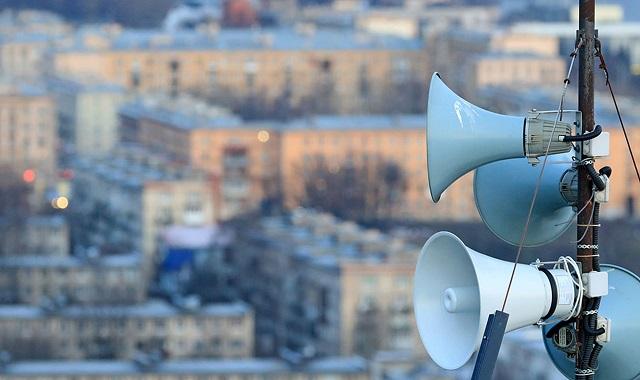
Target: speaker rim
[547, 345]
[494, 231]
[428, 137]
[468, 354]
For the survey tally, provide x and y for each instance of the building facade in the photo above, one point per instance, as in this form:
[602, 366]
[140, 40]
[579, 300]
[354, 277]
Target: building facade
[38, 280]
[125, 201]
[342, 368]
[88, 114]
[28, 133]
[321, 287]
[36, 235]
[119, 332]
[301, 66]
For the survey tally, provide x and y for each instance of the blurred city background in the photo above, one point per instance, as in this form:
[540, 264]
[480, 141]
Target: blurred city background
[237, 189]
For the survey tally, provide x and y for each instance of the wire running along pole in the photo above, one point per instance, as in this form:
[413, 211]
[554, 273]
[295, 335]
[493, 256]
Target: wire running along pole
[539, 179]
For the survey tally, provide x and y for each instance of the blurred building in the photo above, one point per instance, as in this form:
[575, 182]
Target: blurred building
[338, 368]
[27, 38]
[24, 56]
[242, 158]
[88, 114]
[323, 287]
[615, 37]
[126, 200]
[254, 162]
[35, 235]
[37, 280]
[371, 140]
[516, 70]
[13, 22]
[301, 66]
[119, 332]
[28, 134]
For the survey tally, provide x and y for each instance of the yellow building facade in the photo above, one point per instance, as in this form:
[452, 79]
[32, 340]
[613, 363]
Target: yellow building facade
[296, 63]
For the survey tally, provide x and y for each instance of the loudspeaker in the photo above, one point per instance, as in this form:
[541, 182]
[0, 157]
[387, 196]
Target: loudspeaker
[619, 357]
[462, 136]
[456, 288]
[503, 192]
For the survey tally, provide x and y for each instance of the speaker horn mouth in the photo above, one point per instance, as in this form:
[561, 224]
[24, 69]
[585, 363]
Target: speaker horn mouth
[447, 308]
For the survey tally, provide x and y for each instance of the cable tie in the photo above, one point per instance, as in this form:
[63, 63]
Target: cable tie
[587, 246]
[587, 161]
[590, 312]
[584, 372]
[587, 256]
[589, 225]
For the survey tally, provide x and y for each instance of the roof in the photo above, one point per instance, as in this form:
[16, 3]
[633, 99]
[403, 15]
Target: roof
[256, 366]
[42, 261]
[69, 86]
[149, 309]
[180, 119]
[341, 122]
[568, 29]
[285, 39]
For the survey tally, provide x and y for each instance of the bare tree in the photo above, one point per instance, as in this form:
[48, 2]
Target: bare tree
[365, 190]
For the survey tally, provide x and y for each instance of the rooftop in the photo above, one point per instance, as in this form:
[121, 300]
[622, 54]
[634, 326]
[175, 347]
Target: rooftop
[285, 39]
[193, 115]
[191, 366]
[322, 240]
[43, 261]
[149, 309]
[132, 166]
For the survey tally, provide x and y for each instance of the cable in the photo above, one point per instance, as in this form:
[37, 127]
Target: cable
[569, 264]
[539, 180]
[597, 131]
[604, 68]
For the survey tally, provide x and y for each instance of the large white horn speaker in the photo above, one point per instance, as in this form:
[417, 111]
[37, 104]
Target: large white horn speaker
[620, 357]
[462, 137]
[503, 192]
[456, 288]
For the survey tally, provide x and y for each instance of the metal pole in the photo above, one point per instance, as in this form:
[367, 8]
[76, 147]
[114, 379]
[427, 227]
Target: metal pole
[585, 104]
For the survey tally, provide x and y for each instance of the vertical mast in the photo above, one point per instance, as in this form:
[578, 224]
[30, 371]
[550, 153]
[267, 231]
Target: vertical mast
[586, 55]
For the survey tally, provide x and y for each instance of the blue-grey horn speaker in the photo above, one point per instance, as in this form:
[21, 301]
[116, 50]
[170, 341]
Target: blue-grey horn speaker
[503, 191]
[620, 357]
[462, 137]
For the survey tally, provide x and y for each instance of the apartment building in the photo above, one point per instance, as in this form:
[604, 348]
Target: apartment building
[125, 201]
[28, 133]
[88, 114]
[256, 161]
[119, 332]
[36, 235]
[517, 70]
[302, 64]
[370, 140]
[323, 287]
[38, 280]
[241, 158]
[338, 368]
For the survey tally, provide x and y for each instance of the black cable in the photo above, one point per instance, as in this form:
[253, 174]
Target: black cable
[595, 177]
[604, 68]
[597, 131]
[593, 361]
